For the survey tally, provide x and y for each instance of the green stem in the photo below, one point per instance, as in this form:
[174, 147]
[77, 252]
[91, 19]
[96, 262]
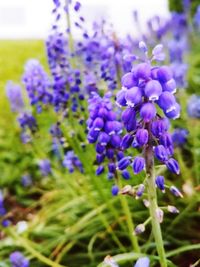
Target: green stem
[25, 243]
[152, 196]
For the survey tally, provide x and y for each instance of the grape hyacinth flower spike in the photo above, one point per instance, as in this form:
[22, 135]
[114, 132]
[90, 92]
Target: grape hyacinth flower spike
[17, 259]
[148, 97]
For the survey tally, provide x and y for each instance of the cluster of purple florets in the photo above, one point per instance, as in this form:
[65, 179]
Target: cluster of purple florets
[105, 130]
[72, 162]
[37, 84]
[147, 90]
[18, 260]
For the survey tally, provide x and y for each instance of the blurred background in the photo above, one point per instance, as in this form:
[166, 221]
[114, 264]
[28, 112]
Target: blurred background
[22, 19]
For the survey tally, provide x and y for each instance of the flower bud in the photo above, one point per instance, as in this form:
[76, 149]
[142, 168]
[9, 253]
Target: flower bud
[175, 113]
[115, 140]
[99, 148]
[140, 191]
[153, 90]
[115, 190]
[126, 141]
[170, 86]
[112, 167]
[140, 228]
[173, 166]
[142, 137]
[124, 163]
[148, 112]
[126, 175]
[167, 102]
[142, 71]
[110, 153]
[175, 191]
[103, 138]
[138, 165]
[160, 182]
[158, 127]
[164, 74]
[128, 80]
[133, 96]
[146, 203]
[172, 209]
[120, 97]
[98, 124]
[100, 170]
[126, 190]
[161, 153]
[159, 215]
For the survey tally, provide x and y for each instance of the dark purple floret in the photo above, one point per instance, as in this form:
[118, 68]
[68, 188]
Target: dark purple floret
[115, 190]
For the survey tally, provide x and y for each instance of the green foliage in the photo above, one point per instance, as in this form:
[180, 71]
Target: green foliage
[177, 5]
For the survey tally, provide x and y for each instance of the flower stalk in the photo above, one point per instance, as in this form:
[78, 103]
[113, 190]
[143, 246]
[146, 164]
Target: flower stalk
[152, 196]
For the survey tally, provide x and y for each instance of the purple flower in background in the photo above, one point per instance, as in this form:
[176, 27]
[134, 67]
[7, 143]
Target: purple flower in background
[142, 262]
[2, 208]
[45, 167]
[193, 107]
[197, 18]
[71, 161]
[14, 94]
[37, 83]
[105, 131]
[27, 121]
[26, 180]
[18, 260]
[179, 136]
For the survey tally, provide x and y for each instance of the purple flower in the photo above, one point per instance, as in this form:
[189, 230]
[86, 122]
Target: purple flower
[2, 208]
[104, 130]
[164, 74]
[175, 191]
[37, 83]
[142, 262]
[144, 88]
[160, 182]
[153, 90]
[142, 137]
[148, 112]
[71, 161]
[45, 167]
[128, 80]
[167, 102]
[126, 175]
[26, 180]
[179, 136]
[140, 191]
[14, 94]
[115, 190]
[100, 170]
[77, 6]
[138, 165]
[123, 163]
[133, 96]
[161, 153]
[173, 166]
[17, 259]
[193, 107]
[126, 141]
